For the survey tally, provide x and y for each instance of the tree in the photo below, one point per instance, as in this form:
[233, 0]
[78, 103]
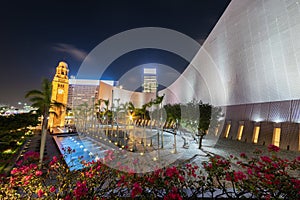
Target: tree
[103, 113]
[131, 110]
[123, 110]
[82, 113]
[199, 117]
[204, 120]
[173, 112]
[41, 99]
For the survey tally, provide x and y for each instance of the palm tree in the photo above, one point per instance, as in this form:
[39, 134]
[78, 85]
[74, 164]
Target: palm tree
[156, 102]
[41, 99]
[123, 109]
[105, 113]
[82, 112]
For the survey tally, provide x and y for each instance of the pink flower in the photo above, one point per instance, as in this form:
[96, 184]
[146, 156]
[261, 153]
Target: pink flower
[228, 177]
[137, 189]
[68, 197]
[239, 176]
[181, 178]
[52, 189]
[171, 171]
[131, 171]
[275, 165]
[14, 171]
[173, 195]
[69, 149]
[268, 197]
[19, 163]
[12, 180]
[54, 159]
[33, 166]
[249, 171]
[80, 190]
[38, 173]
[40, 193]
[243, 155]
[273, 148]
[296, 184]
[27, 178]
[150, 180]
[121, 181]
[266, 159]
[269, 176]
[89, 174]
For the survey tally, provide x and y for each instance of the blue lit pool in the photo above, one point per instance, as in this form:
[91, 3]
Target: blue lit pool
[84, 147]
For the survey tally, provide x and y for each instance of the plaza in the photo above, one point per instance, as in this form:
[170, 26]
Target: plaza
[227, 127]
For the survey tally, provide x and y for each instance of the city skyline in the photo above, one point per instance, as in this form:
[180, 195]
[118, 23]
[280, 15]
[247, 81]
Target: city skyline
[35, 36]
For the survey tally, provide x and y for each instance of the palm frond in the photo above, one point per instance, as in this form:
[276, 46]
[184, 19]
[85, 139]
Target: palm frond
[33, 93]
[36, 99]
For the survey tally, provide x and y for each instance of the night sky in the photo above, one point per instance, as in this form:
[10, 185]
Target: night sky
[36, 35]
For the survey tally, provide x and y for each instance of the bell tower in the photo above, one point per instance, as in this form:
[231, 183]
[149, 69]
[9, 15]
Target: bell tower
[60, 86]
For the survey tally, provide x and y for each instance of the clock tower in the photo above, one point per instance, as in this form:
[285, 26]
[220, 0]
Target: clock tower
[60, 86]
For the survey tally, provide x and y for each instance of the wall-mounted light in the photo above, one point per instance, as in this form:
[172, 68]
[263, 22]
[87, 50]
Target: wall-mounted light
[277, 121]
[258, 120]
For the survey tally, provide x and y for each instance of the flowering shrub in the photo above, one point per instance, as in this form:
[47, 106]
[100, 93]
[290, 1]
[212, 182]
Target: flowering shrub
[260, 177]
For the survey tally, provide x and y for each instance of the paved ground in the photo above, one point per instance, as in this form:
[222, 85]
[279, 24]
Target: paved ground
[33, 144]
[211, 146]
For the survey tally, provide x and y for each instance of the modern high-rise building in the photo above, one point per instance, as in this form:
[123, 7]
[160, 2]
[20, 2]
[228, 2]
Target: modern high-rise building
[150, 80]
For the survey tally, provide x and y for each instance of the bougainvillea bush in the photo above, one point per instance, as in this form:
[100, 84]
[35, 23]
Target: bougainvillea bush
[258, 177]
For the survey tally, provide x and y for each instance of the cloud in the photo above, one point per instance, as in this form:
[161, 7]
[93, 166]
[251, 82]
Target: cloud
[76, 53]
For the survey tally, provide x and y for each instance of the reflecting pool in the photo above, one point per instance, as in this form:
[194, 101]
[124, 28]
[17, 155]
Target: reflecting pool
[85, 148]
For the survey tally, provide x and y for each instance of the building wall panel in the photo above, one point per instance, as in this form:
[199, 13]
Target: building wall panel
[248, 131]
[289, 136]
[266, 133]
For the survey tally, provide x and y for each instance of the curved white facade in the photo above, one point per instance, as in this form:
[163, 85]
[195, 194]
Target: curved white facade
[253, 51]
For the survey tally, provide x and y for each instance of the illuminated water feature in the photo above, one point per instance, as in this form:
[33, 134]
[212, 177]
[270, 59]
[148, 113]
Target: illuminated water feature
[141, 144]
[84, 147]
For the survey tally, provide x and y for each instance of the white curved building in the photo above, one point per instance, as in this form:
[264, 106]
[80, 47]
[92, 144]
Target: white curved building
[250, 63]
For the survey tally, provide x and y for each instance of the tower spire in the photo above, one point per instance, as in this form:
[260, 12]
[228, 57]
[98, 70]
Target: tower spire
[60, 86]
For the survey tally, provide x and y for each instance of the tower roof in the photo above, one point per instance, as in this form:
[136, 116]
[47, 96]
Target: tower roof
[63, 64]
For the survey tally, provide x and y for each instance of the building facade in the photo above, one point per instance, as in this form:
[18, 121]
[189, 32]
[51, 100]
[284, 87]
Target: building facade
[111, 93]
[250, 65]
[82, 91]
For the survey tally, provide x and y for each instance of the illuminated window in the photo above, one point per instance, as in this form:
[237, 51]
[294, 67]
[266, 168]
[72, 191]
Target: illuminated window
[255, 134]
[227, 130]
[240, 132]
[276, 136]
[216, 131]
